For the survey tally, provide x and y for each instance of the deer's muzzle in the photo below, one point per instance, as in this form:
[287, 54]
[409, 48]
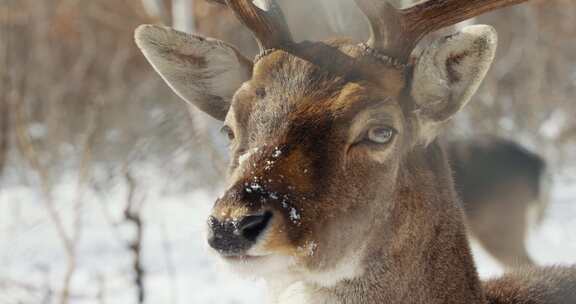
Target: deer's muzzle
[234, 237]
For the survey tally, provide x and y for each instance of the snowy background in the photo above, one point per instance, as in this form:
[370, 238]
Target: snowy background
[104, 172]
[178, 267]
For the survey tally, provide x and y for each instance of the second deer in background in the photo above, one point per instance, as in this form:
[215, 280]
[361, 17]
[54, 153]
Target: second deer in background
[502, 188]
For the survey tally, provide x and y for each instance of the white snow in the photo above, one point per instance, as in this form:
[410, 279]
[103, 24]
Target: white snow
[294, 215]
[179, 267]
[277, 152]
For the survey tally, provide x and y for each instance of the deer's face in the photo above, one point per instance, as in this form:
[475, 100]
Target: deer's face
[318, 138]
[309, 152]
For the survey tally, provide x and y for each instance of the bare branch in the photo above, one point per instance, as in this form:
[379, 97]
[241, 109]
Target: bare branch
[132, 215]
[29, 151]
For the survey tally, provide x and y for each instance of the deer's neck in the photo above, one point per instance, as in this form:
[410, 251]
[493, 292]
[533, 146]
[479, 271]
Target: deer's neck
[420, 253]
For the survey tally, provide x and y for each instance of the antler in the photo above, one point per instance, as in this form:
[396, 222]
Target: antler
[265, 20]
[395, 32]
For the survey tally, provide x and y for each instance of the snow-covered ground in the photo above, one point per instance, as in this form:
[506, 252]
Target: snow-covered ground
[179, 269]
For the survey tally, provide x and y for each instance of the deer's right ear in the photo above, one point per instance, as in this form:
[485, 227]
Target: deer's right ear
[449, 72]
[204, 72]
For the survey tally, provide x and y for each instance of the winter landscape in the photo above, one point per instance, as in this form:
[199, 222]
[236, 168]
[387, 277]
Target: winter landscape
[107, 178]
[179, 268]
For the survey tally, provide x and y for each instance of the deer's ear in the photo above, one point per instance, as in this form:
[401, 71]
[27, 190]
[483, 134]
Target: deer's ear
[449, 72]
[204, 72]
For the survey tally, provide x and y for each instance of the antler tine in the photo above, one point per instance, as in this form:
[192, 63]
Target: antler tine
[265, 20]
[385, 23]
[395, 32]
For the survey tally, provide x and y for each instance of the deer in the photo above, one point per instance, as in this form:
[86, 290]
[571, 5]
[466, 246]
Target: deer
[504, 189]
[338, 190]
[500, 216]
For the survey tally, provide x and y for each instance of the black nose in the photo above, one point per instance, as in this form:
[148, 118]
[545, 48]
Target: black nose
[235, 237]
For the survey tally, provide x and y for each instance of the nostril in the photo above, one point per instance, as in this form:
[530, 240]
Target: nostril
[213, 222]
[252, 226]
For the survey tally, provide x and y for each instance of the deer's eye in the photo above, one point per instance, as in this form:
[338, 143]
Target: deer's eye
[227, 131]
[381, 135]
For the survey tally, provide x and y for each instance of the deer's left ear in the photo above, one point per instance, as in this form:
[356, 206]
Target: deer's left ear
[449, 72]
[204, 72]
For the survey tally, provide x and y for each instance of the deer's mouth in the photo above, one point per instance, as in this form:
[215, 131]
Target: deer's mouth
[259, 266]
[242, 258]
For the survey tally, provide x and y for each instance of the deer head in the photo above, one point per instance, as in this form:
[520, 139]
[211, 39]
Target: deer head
[326, 138]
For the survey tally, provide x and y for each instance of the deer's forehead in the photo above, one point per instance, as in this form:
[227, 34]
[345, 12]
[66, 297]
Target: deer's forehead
[286, 90]
[313, 67]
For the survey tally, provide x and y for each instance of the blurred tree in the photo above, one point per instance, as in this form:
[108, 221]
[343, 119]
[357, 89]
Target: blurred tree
[77, 54]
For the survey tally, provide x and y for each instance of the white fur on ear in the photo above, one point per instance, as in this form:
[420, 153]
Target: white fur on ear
[205, 72]
[450, 71]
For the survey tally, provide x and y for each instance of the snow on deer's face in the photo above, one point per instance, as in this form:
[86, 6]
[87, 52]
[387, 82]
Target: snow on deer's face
[310, 148]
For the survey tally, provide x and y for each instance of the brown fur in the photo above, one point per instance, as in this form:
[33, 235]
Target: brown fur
[353, 220]
[420, 254]
[554, 285]
[425, 258]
